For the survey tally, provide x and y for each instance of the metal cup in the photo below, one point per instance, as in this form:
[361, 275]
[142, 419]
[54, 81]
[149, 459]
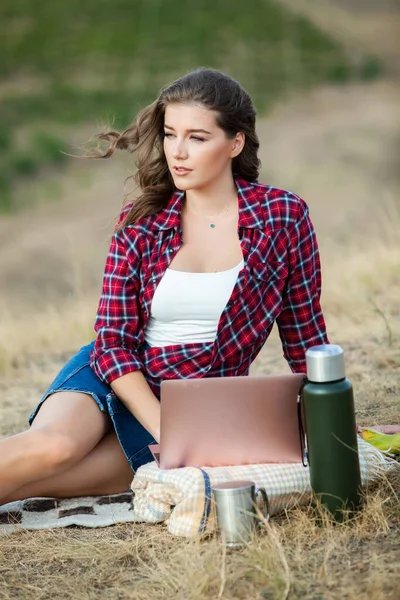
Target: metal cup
[237, 510]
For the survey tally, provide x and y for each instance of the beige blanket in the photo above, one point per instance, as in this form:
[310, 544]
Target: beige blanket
[182, 497]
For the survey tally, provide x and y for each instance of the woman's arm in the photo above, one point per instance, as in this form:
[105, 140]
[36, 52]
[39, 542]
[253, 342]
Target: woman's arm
[115, 358]
[301, 323]
[134, 391]
[118, 315]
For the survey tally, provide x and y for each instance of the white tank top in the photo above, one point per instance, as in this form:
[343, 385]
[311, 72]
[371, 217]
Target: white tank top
[186, 307]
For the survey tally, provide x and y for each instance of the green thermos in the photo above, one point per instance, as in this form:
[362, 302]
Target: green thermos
[331, 431]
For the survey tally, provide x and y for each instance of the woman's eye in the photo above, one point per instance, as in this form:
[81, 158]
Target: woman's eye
[193, 137]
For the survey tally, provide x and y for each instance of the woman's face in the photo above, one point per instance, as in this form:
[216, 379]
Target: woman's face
[197, 150]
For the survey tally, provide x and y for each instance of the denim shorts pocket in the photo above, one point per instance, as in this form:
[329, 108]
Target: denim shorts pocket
[114, 404]
[62, 378]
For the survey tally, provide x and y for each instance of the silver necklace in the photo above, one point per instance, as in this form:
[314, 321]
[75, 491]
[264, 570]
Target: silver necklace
[213, 224]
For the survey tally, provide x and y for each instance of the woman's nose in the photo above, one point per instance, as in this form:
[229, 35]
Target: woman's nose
[179, 150]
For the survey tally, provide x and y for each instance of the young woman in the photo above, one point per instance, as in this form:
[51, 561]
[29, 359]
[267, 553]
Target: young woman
[200, 267]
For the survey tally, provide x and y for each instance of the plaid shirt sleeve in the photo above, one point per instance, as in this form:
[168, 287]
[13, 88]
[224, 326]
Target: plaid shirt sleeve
[301, 323]
[118, 315]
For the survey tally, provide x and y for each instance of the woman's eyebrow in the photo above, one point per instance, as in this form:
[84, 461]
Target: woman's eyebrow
[190, 130]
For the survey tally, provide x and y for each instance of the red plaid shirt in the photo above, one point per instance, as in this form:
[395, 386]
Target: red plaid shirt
[280, 281]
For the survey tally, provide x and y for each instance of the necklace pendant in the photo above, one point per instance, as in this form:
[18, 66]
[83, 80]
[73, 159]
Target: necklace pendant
[212, 225]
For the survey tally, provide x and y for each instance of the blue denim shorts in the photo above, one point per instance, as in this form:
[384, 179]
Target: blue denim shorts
[78, 376]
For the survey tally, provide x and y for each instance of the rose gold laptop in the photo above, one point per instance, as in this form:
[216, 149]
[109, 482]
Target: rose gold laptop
[220, 421]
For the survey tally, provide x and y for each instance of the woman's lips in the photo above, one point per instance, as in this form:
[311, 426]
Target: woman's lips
[180, 171]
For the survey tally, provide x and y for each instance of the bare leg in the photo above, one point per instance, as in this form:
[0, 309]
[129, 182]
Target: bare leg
[388, 429]
[105, 470]
[67, 427]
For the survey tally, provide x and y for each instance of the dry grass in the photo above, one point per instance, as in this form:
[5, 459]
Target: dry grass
[301, 554]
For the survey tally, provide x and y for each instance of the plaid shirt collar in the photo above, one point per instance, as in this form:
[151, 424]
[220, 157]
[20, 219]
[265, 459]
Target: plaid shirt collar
[250, 211]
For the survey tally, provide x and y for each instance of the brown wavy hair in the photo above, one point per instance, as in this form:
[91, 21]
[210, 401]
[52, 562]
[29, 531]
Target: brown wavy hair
[209, 88]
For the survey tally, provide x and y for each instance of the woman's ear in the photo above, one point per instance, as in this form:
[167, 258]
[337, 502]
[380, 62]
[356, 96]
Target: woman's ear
[237, 144]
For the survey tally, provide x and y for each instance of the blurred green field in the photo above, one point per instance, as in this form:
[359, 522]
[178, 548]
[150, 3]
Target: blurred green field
[64, 64]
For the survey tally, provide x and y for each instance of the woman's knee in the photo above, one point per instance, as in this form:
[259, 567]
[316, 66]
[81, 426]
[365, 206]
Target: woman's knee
[72, 422]
[54, 450]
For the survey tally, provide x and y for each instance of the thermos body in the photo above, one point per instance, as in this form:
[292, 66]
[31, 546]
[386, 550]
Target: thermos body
[331, 436]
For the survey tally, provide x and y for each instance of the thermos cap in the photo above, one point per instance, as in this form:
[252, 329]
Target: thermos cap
[325, 363]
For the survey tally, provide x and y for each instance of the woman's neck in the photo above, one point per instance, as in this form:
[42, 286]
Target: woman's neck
[213, 198]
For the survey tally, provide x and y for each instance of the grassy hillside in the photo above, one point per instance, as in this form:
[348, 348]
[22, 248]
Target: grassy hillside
[69, 63]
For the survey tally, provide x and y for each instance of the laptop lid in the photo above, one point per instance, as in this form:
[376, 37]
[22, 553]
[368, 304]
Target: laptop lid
[220, 421]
